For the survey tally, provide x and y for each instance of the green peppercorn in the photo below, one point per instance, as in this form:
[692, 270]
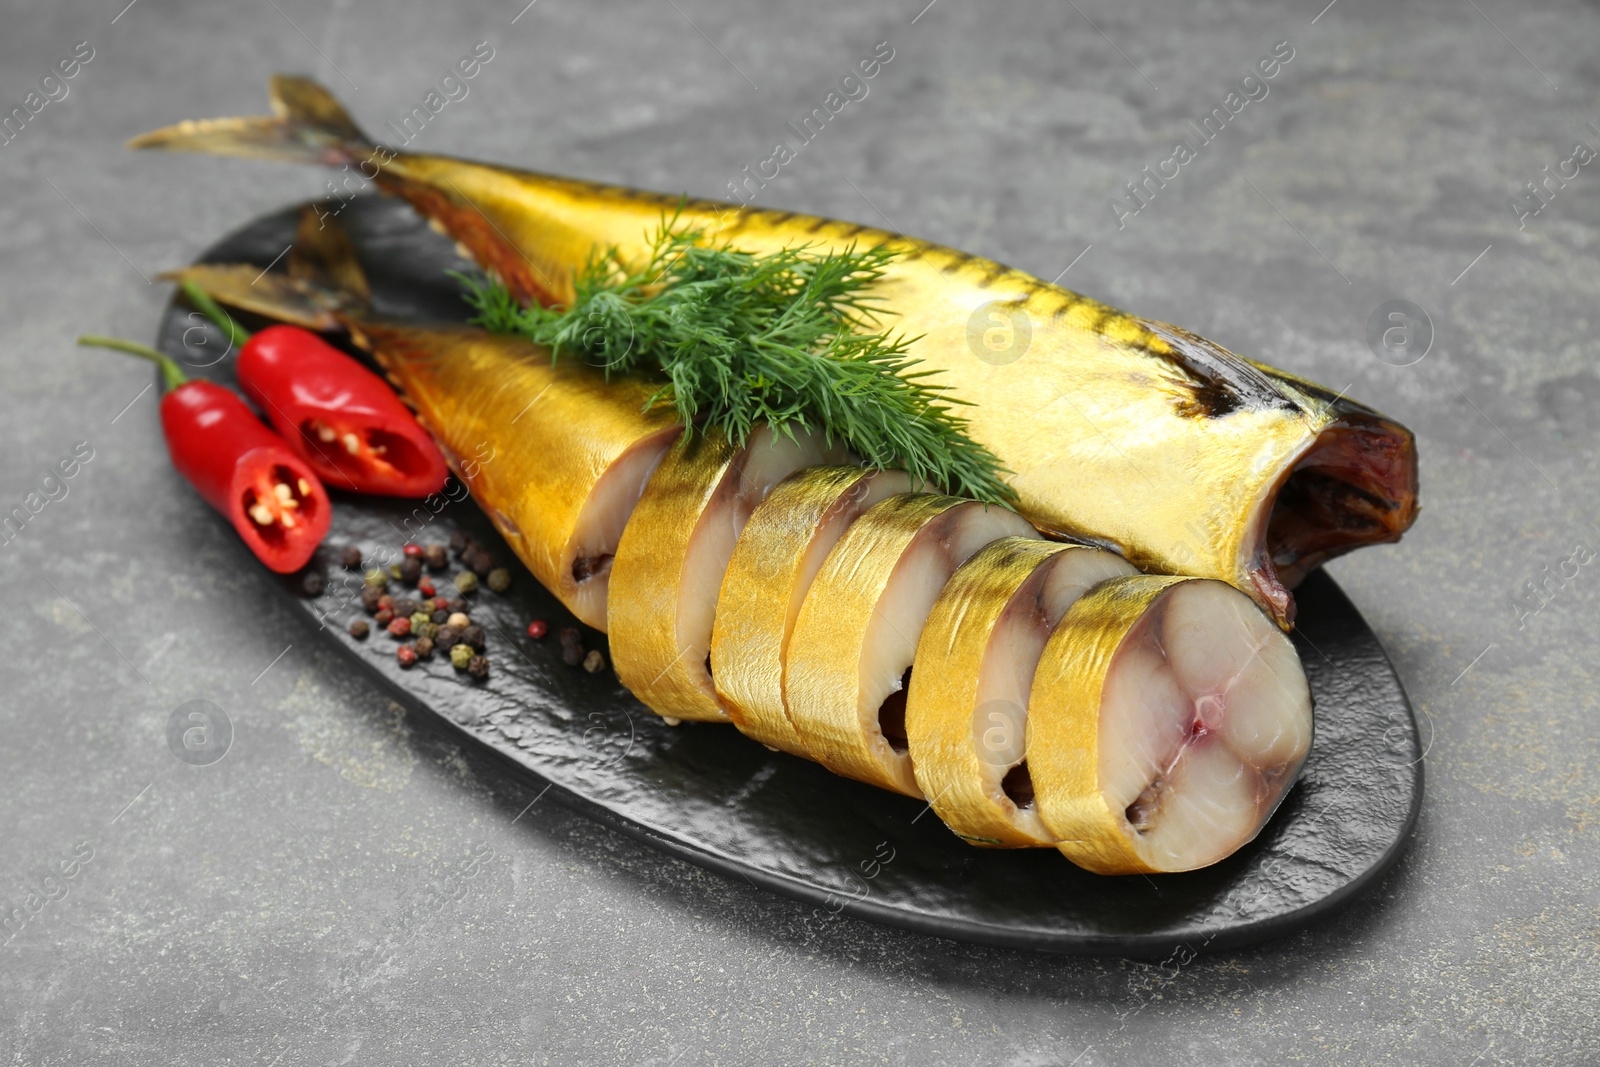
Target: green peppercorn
[594, 662]
[419, 618]
[424, 629]
[499, 579]
[376, 579]
[461, 656]
[394, 571]
[467, 582]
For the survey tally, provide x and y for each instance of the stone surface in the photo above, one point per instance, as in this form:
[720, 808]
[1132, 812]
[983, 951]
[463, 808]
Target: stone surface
[343, 886]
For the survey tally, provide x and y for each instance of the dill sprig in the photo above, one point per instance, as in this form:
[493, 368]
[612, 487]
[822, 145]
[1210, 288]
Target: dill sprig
[737, 339]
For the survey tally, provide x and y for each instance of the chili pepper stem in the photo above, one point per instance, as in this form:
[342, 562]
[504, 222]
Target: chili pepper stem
[171, 373]
[212, 310]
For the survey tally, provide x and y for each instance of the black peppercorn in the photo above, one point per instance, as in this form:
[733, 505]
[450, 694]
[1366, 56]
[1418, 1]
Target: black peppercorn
[459, 542]
[369, 599]
[435, 557]
[312, 583]
[571, 646]
[478, 667]
[424, 647]
[406, 606]
[474, 636]
[410, 570]
[447, 638]
[359, 629]
[350, 557]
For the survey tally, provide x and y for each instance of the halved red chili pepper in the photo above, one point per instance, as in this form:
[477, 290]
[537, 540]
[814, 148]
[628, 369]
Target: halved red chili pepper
[342, 418]
[238, 465]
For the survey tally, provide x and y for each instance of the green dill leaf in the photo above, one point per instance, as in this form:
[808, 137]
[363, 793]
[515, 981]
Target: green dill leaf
[734, 339]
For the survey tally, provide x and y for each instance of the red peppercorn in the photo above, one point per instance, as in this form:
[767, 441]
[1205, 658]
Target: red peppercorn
[414, 550]
[384, 616]
[400, 627]
[441, 603]
[537, 629]
[425, 587]
[405, 654]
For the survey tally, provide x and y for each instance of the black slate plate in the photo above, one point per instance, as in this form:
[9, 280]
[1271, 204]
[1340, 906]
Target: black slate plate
[711, 796]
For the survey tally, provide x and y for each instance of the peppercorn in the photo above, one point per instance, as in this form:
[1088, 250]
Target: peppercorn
[459, 542]
[447, 638]
[594, 662]
[479, 562]
[386, 601]
[436, 557]
[460, 604]
[312, 583]
[369, 599]
[474, 636]
[383, 616]
[410, 570]
[376, 579]
[478, 667]
[460, 656]
[425, 587]
[404, 605]
[428, 629]
[571, 646]
[419, 618]
[394, 571]
[459, 620]
[399, 627]
[441, 603]
[424, 648]
[359, 629]
[406, 655]
[537, 629]
[439, 618]
[350, 557]
[413, 550]
[467, 582]
[499, 579]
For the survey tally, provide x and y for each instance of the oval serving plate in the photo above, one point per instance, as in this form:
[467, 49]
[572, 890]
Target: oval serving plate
[707, 794]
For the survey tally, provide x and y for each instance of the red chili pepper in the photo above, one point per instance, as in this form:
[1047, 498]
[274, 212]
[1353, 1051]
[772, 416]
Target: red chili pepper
[342, 418]
[239, 466]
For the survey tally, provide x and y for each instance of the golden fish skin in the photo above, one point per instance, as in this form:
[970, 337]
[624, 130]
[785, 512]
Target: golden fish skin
[554, 453]
[1167, 781]
[1126, 432]
[965, 715]
[782, 548]
[673, 554]
[857, 630]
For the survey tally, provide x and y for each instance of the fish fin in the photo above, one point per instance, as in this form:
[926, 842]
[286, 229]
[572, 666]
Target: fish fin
[276, 296]
[323, 256]
[307, 126]
[325, 287]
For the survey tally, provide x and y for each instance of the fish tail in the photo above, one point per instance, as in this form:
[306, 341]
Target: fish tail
[308, 125]
[324, 287]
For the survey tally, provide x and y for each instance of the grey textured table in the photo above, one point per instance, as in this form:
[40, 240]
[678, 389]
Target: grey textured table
[304, 901]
